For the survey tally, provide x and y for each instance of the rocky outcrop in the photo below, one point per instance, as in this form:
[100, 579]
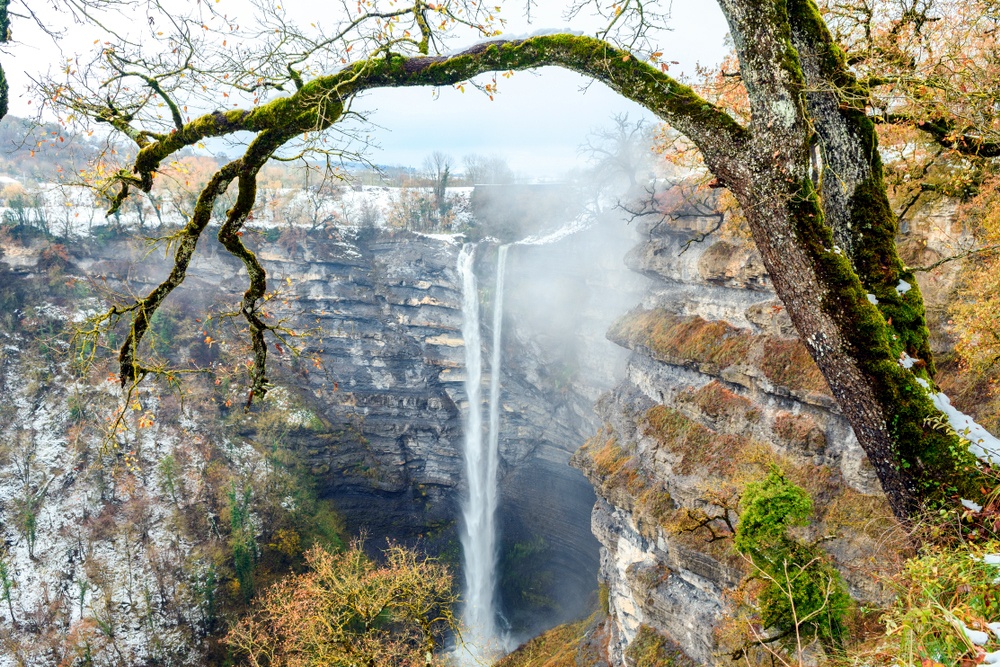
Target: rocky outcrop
[717, 389]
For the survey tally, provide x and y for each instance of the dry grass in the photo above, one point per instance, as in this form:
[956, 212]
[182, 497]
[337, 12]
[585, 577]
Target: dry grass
[717, 345]
[619, 477]
[721, 404]
[557, 647]
[699, 447]
[800, 431]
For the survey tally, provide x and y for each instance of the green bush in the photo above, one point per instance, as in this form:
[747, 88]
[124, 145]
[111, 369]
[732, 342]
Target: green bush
[803, 597]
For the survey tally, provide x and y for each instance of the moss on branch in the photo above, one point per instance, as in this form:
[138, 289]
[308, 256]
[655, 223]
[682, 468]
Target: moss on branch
[926, 467]
[319, 103]
[869, 223]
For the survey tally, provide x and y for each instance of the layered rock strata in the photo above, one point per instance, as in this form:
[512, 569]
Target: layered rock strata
[717, 390]
[374, 396]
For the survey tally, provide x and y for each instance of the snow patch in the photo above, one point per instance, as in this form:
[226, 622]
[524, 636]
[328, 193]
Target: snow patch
[977, 637]
[983, 444]
[577, 225]
[971, 505]
[450, 239]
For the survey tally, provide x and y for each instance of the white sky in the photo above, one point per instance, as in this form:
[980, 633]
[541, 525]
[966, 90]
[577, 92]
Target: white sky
[537, 122]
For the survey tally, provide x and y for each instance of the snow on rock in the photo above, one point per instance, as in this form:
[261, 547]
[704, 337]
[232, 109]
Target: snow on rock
[109, 562]
[983, 444]
[977, 637]
[903, 287]
[576, 225]
[72, 212]
[450, 239]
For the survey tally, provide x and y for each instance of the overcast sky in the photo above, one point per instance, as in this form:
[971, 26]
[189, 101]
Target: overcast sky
[537, 122]
[539, 119]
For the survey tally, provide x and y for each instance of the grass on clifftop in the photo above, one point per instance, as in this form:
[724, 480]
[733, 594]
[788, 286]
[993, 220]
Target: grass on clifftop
[715, 346]
[557, 647]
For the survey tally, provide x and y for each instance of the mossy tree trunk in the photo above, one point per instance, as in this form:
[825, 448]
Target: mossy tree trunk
[805, 170]
[4, 33]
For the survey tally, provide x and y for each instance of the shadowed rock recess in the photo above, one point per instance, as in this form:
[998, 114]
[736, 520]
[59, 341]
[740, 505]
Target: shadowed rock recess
[717, 389]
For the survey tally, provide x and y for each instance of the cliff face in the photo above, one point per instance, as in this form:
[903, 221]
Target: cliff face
[372, 405]
[717, 389]
[391, 398]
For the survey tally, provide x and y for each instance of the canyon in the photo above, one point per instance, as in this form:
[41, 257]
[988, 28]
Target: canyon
[670, 362]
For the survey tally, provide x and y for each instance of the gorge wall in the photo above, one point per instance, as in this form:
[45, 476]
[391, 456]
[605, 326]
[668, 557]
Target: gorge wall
[371, 406]
[703, 389]
[717, 390]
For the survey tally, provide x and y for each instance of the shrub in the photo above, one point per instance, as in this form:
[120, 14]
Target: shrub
[349, 610]
[803, 598]
[651, 649]
[942, 591]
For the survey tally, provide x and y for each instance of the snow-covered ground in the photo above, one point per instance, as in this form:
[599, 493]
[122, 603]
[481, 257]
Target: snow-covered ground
[72, 212]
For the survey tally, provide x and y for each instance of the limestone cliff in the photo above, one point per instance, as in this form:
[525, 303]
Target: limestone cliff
[717, 389]
[372, 405]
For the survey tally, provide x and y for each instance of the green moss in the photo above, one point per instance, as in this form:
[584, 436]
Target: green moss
[929, 465]
[652, 649]
[604, 598]
[876, 337]
[880, 268]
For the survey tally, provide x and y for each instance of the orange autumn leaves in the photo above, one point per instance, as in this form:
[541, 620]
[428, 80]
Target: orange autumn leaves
[350, 610]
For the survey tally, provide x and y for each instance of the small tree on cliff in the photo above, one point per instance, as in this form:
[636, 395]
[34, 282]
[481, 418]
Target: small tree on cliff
[802, 162]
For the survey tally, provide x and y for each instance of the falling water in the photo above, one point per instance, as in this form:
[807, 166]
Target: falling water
[495, 372]
[482, 641]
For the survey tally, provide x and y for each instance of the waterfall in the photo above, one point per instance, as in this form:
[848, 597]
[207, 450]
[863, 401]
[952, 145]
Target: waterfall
[495, 372]
[478, 537]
